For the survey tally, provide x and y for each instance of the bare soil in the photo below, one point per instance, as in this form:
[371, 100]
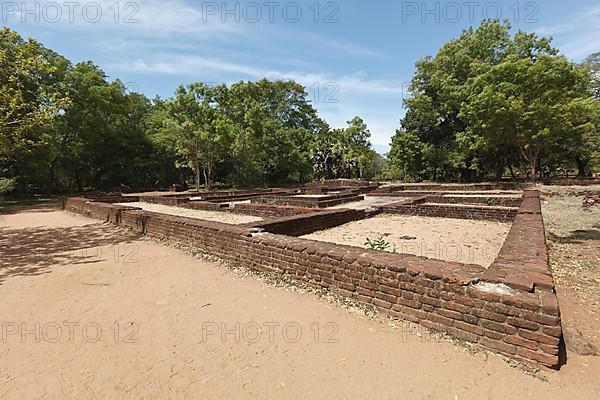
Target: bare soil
[460, 240]
[573, 234]
[371, 202]
[217, 216]
[139, 319]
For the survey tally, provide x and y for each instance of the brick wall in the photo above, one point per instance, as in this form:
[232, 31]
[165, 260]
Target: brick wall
[166, 200]
[271, 211]
[460, 211]
[444, 188]
[572, 181]
[463, 300]
[478, 200]
[305, 224]
[310, 202]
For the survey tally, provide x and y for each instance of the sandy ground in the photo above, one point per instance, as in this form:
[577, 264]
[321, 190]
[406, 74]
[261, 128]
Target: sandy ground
[466, 241]
[218, 216]
[510, 195]
[573, 235]
[371, 202]
[124, 317]
[567, 190]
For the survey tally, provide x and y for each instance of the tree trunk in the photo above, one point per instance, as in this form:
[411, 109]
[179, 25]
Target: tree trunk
[78, 181]
[533, 169]
[581, 164]
[512, 173]
[51, 176]
[206, 179]
[197, 167]
[500, 170]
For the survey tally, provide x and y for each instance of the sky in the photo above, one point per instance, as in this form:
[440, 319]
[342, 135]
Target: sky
[355, 57]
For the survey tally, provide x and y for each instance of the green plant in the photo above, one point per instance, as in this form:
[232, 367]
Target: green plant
[378, 244]
[6, 186]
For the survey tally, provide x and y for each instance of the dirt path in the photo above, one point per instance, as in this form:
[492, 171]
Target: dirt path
[141, 320]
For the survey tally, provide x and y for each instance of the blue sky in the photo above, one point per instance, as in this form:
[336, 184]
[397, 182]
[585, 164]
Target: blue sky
[354, 56]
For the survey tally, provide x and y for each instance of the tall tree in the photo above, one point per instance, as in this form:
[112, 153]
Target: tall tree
[593, 63]
[32, 95]
[199, 128]
[274, 128]
[488, 101]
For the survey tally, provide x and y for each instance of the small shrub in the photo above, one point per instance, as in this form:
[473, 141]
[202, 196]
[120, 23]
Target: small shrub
[378, 244]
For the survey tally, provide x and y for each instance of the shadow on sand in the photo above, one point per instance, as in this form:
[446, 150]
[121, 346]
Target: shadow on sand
[34, 251]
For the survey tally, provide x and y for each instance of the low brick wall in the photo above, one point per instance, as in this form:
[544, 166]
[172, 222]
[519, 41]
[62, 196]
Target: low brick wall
[117, 199]
[240, 196]
[572, 181]
[165, 200]
[444, 188]
[341, 184]
[105, 212]
[523, 259]
[305, 224]
[271, 211]
[310, 202]
[465, 301]
[477, 200]
[422, 208]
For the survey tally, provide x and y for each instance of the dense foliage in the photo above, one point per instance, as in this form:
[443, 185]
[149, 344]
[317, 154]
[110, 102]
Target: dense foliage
[489, 103]
[67, 127]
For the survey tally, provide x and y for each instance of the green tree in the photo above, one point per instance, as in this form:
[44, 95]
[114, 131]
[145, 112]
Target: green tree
[274, 128]
[593, 63]
[529, 103]
[32, 95]
[199, 128]
[343, 153]
[488, 101]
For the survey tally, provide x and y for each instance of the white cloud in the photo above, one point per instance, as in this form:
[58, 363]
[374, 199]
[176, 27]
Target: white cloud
[178, 64]
[578, 37]
[377, 101]
[147, 18]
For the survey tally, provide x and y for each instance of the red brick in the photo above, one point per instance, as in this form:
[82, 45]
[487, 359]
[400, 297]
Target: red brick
[538, 337]
[498, 345]
[472, 329]
[431, 301]
[542, 318]
[381, 303]
[550, 303]
[524, 302]
[408, 302]
[552, 350]
[502, 309]
[502, 328]
[522, 323]
[390, 290]
[554, 331]
[387, 297]
[521, 342]
[438, 319]
[449, 314]
[489, 315]
[546, 359]
[469, 302]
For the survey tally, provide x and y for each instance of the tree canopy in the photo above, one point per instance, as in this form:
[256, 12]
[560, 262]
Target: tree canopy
[489, 102]
[68, 127]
